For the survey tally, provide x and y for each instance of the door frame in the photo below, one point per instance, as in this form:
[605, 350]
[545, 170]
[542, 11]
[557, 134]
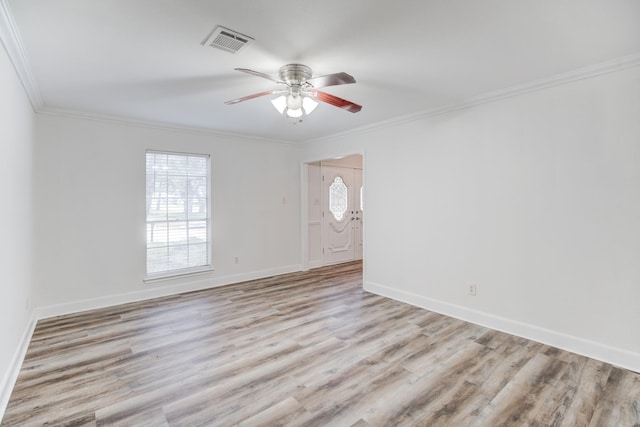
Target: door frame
[304, 205]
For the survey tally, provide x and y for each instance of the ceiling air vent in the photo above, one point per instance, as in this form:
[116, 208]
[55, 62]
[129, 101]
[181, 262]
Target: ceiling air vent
[226, 39]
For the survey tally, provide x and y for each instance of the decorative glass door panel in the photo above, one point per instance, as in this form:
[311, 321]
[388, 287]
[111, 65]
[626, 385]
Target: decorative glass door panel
[338, 198]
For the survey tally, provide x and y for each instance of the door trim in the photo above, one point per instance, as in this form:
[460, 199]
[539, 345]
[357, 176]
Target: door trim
[304, 211]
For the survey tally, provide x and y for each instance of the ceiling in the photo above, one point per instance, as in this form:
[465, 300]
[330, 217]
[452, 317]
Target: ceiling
[142, 60]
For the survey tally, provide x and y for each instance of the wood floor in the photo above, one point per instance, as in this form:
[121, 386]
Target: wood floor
[304, 349]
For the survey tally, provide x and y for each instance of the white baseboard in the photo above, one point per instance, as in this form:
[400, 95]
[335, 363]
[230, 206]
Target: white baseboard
[315, 264]
[11, 375]
[615, 356]
[160, 291]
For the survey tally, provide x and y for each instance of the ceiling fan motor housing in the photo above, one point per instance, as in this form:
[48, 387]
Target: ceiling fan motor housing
[295, 74]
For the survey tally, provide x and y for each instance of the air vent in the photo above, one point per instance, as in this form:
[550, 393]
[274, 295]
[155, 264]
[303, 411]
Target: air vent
[226, 39]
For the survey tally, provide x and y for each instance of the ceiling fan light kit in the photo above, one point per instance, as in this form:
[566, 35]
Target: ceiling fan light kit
[294, 107]
[300, 97]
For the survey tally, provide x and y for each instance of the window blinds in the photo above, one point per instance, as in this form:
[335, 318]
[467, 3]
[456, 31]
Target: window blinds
[178, 220]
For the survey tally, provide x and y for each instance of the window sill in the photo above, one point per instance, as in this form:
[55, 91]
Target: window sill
[178, 274]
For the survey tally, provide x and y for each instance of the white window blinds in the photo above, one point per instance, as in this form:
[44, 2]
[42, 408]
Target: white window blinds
[178, 220]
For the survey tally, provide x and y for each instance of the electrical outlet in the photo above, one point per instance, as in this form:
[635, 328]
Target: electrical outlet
[471, 289]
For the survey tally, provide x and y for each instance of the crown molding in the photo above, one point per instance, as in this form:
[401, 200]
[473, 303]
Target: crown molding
[613, 65]
[12, 42]
[148, 124]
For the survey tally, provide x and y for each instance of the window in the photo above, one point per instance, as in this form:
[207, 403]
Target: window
[178, 220]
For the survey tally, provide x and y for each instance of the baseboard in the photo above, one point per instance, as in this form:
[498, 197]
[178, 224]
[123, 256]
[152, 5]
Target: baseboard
[156, 292]
[315, 264]
[9, 380]
[11, 375]
[615, 356]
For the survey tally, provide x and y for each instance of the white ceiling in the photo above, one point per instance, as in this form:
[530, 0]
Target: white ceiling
[142, 60]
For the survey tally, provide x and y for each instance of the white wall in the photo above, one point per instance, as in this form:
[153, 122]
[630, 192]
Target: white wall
[91, 210]
[534, 198]
[16, 218]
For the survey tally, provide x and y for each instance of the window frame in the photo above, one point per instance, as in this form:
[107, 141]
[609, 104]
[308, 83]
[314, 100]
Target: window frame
[188, 271]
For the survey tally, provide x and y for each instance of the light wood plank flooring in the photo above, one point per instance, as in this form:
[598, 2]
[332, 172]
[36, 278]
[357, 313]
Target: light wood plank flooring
[304, 349]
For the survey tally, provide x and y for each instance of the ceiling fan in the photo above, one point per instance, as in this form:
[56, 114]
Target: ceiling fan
[299, 97]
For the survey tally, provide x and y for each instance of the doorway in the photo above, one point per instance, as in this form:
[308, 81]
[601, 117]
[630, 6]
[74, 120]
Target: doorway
[335, 211]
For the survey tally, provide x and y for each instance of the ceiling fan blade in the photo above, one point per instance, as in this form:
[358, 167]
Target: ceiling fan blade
[259, 74]
[331, 80]
[255, 95]
[337, 101]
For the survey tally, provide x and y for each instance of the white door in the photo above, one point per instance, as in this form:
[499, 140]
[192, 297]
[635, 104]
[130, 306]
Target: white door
[359, 213]
[338, 188]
